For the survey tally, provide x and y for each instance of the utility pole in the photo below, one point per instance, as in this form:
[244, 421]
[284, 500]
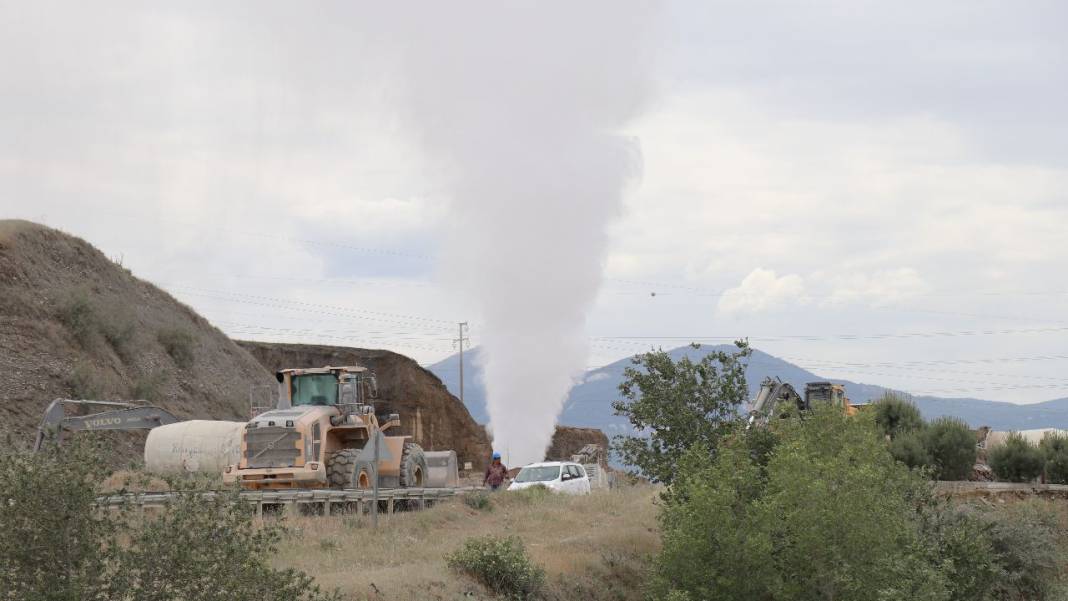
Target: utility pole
[460, 341]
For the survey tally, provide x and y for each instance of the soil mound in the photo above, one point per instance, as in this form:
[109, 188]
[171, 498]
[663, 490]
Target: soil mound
[567, 441]
[428, 412]
[74, 324]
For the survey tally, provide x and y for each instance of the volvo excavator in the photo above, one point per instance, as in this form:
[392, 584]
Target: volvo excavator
[777, 398]
[116, 416]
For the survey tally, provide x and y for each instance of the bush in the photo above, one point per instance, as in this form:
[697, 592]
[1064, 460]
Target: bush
[81, 318]
[908, 448]
[84, 382]
[179, 345]
[834, 519]
[1054, 448]
[147, 388]
[950, 443]
[56, 544]
[119, 333]
[1028, 552]
[478, 501]
[1017, 460]
[895, 415]
[500, 565]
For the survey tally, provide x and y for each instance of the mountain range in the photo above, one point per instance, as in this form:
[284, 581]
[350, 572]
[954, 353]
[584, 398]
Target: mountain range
[589, 404]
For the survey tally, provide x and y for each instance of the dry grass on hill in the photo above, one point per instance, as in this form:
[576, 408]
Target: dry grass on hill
[596, 547]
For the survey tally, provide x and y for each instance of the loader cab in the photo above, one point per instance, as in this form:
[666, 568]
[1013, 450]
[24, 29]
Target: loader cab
[344, 387]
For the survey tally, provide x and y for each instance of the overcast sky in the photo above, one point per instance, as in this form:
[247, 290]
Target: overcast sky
[874, 191]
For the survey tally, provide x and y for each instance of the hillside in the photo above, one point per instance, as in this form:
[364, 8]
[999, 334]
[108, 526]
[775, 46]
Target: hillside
[589, 403]
[74, 324]
[436, 419]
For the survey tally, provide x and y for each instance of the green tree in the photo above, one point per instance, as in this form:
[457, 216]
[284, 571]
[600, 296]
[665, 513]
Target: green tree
[678, 404]
[908, 448]
[835, 519]
[895, 415]
[53, 544]
[950, 443]
[1054, 447]
[1017, 460]
[57, 545]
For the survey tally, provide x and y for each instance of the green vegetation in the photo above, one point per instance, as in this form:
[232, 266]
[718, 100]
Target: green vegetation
[825, 506]
[90, 325]
[1055, 450]
[834, 516]
[499, 564]
[56, 544]
[909, 449]
[1018, 460]
[179, 345]
[680, 404]
[896, 415]
[950, 443]
[478, 501]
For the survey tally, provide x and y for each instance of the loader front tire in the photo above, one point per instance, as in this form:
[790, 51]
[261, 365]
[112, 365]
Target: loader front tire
[345, 469]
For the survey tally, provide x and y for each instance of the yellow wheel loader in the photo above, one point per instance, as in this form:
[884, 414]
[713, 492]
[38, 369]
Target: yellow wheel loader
[324, 433]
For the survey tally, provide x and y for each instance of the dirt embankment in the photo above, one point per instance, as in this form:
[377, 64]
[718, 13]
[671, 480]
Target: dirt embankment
[74, 324]
[429, 413]
[567, 441]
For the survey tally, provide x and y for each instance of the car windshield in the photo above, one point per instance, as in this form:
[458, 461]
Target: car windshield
[542, 473]
[315, 389]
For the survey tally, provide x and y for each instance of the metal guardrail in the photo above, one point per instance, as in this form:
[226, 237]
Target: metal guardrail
[290, 499]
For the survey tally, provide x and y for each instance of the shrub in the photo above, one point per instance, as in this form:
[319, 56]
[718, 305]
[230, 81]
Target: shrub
[1017, 460]
[1054, 448]
[834, 519]
[951, 445]
[81, 318]
[478, 501]
[908, 448]
[179, 345]
[1028, 554]
[148, 388]
[895, 415]
[499, 564]
[84, 382]
[119, 333]
[56, 544]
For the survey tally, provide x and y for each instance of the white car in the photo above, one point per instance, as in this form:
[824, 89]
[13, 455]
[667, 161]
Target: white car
[557, 476]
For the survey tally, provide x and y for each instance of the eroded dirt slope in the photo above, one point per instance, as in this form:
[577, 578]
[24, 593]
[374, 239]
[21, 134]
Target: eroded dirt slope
[74, 324]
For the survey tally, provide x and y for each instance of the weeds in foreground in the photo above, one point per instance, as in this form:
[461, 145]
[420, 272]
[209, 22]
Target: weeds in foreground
[499, 564]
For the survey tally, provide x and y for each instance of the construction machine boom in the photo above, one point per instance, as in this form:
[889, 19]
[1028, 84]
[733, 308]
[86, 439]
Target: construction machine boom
[120, 416]
[774, 394]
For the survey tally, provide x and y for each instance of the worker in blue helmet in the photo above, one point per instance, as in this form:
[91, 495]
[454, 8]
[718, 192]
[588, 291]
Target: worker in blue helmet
[495, 473]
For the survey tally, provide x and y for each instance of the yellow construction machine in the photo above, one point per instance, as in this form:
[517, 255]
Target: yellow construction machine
[323, 433]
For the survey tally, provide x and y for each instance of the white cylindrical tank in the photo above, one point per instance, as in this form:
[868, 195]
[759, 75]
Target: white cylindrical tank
[194, 446]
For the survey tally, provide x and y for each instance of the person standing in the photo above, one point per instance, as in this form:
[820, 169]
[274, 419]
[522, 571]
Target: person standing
[495, 473]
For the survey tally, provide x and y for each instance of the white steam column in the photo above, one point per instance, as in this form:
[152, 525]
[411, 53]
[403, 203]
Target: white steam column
[521, 106]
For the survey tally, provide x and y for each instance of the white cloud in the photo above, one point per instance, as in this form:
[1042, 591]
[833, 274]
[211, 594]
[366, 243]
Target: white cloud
[762, 291]
[877, 289]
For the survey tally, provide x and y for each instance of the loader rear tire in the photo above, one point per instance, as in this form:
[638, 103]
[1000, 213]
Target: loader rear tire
[345, 469]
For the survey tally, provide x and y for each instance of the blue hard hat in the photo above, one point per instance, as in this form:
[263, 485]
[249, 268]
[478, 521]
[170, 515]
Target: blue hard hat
[496, 455]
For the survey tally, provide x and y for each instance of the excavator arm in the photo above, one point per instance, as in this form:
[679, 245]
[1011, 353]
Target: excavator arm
[120, 416]
[772, 393]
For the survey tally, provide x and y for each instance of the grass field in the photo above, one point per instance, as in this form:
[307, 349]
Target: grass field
[596, 547]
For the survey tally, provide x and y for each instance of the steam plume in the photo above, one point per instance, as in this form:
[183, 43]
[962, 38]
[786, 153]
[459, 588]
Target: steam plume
[522, 106]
